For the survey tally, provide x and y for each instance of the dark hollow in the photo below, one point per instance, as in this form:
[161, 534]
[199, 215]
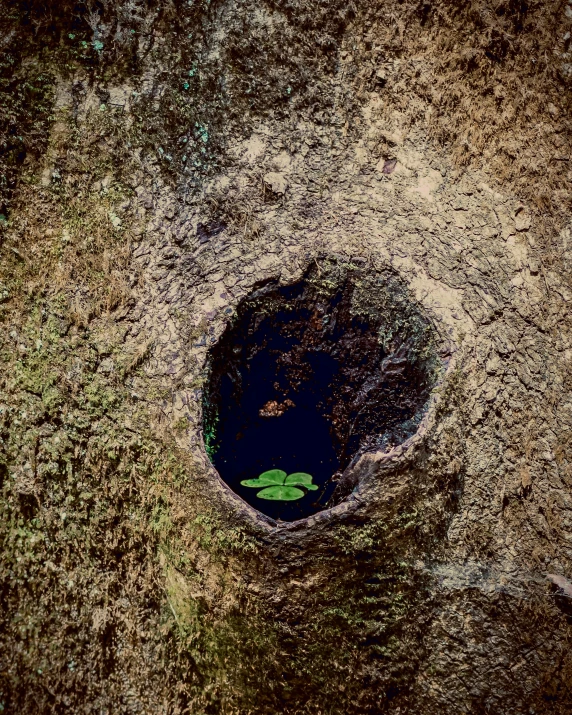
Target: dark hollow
[309, 376]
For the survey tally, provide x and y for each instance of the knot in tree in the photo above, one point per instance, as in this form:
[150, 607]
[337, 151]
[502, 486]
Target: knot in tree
[309, 376]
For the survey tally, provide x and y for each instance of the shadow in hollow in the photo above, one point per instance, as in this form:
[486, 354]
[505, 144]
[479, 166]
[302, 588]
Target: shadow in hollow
[300, 382]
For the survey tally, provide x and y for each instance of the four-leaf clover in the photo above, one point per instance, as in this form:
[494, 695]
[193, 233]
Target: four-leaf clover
[278, 486]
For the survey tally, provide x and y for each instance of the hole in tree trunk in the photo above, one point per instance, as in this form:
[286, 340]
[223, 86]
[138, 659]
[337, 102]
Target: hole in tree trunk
[309, 376]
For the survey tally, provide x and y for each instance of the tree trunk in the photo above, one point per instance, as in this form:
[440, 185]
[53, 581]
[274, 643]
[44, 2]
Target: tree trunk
[205, 207]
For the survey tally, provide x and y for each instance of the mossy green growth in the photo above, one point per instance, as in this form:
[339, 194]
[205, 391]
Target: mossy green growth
[209, 434]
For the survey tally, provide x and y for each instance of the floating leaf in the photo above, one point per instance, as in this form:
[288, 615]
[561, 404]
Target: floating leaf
[266, 479]
[273, 476]
[279, 487]
[301, 479]
[281, 493]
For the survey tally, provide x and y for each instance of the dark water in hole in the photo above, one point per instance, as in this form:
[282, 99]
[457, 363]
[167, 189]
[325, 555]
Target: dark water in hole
[299, 440]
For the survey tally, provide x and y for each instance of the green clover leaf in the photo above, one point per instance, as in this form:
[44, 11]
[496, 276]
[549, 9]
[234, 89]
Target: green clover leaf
[266, 479]
[301, 479]
[281, 493]
[280, 487]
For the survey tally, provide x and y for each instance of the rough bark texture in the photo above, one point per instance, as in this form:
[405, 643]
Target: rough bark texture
[158, 162]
